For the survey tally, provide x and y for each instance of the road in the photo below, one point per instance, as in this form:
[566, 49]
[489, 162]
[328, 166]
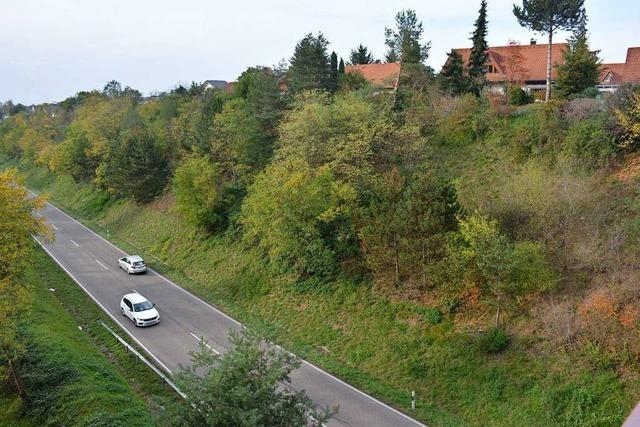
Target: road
[91, 262]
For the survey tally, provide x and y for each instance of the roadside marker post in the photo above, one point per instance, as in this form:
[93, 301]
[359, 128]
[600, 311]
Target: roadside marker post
[413, 400]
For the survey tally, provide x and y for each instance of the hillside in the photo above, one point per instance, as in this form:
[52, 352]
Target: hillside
[477, 253]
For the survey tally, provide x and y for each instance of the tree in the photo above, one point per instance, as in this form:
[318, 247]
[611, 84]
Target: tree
[581, 67]
[341, 67]
[515, 71]
[452, 78]
[199, 189]
[310, 65]
[549, 16]
[17, 224]
[479, 55]
[333, 65]
[247, 386]
[629, 119]
[360, 55]
[405, 41]
[134, 167]
[506, 272]
[112, 89]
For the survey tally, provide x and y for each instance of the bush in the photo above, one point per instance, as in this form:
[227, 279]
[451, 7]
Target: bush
[590, 92]
[494, 340]
[431, 315]
[517, 96]
[462, 120]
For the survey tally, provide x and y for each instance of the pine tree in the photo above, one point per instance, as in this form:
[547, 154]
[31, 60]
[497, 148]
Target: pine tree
[404, 43]
[452, 78]
[360, 55]
[581, 67]
[479, 52]
[341, 67]
[333, 65]
[310, 64]
[547, 16]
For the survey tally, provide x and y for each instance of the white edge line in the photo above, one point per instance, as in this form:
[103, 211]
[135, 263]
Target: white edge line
[54, 227]
[72, 241]
[303, 361]
[204, 342]
[103, 307]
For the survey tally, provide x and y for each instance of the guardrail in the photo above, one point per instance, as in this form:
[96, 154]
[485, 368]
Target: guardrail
[129, 347]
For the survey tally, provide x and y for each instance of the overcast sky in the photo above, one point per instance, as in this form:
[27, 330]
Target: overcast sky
[51, 49]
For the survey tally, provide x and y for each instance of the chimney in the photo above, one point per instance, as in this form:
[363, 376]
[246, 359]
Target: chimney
[533, 42]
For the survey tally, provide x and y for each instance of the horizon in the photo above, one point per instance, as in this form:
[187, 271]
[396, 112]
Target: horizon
[155, 46]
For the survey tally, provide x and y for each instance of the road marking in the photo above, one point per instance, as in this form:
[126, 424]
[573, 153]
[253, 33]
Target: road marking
[54, 227]
[304, 362]
[75, 243]
[162, 365]
[204, 342]
[103, 266]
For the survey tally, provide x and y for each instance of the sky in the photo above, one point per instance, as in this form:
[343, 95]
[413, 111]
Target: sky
[51, 49]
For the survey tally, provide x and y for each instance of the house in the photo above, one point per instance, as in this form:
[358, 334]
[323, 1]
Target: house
[214, 84]
[614, 74]
[384, 76]
[525, 65]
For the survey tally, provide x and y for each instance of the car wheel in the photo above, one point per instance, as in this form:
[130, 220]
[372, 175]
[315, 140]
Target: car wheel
[128, 271]
[122, 311]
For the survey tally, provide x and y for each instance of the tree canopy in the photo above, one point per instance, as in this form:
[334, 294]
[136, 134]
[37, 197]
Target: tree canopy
[405, 40]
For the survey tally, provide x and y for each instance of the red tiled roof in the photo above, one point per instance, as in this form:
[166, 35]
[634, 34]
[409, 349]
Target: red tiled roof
[534, 60]
[626, 72]
[384, 75]
[632, 67]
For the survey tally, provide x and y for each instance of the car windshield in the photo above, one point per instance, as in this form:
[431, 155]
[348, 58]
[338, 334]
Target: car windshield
[143, 306]
[138, 264]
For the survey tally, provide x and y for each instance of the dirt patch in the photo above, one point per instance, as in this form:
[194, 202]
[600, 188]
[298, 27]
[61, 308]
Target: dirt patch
[630, 169]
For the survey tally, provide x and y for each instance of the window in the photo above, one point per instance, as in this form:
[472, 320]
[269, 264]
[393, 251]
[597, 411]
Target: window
[128, 304]
[143, 306]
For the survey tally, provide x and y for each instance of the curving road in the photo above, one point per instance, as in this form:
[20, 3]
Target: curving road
[90, 260]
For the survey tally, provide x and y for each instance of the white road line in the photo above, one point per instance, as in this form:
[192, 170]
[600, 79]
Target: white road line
[54, 227]
[103, 266]
[204, 342]
[74, 243]
[162, 365]
[304, 362]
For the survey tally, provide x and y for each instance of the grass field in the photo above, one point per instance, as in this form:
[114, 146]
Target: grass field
[384, 347]
[75, 372]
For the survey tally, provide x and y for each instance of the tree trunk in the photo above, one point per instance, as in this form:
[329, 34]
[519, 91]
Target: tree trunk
[498, 317]
[548, 94]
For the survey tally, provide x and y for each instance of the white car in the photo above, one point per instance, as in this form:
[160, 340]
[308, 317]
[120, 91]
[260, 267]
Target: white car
[140, 310]
[132, 264]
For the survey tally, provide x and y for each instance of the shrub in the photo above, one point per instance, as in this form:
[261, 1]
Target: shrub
[590, 143]
[590, 92]
[517, 96]
[493, 340]
[463, 120]
[431, 315]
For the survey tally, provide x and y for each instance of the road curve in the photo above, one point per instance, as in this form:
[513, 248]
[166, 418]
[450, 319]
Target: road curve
[91, 262]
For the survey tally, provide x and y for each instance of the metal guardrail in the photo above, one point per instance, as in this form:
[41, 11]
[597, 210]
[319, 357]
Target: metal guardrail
[165, 379]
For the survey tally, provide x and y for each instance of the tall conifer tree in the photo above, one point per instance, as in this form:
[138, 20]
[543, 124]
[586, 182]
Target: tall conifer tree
[479, 52]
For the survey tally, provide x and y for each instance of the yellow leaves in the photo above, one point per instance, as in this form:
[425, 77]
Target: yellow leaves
[630, 121]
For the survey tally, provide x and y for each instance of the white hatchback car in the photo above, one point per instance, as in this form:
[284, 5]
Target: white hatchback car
[140, 310]
[132, 264]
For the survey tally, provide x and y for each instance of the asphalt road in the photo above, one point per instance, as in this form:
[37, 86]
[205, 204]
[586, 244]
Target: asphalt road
[91, 261]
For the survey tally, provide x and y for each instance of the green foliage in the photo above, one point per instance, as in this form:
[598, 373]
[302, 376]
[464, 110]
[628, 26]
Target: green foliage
[479, 56]
[245, 388]
[351, 81]
[579, 71]
[548, 17]
[199, 190]
[493, 341]
[590, 143]
[517, 96]
[72, 156]
[300, 217]
[463, 121]
[629, 120]
[134, 167]
[452, 78]
[404, 42]
[310, 66]
[360, 55]
[431, 315]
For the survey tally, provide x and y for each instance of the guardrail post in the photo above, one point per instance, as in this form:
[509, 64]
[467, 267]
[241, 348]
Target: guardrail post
[413, 400]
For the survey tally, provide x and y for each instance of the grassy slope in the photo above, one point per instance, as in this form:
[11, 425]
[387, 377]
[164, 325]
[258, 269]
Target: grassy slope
[106, 384]
[382, 347]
